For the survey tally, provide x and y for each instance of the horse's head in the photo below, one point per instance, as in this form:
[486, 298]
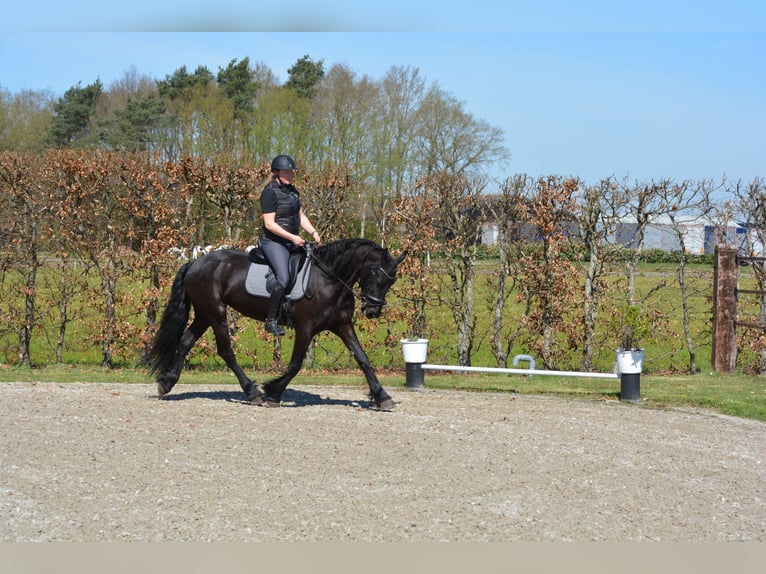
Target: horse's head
[376, 282]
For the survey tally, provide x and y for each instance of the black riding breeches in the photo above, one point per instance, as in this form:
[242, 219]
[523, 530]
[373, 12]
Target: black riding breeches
[279, 257]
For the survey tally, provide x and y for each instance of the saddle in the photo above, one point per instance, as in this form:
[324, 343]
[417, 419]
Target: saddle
[261, 280]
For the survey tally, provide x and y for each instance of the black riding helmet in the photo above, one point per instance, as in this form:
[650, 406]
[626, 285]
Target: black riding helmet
[283, 162]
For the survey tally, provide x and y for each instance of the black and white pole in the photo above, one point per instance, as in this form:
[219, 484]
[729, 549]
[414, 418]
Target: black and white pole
[630, 387]
[415, 352]
[414, 376]
[629, 365]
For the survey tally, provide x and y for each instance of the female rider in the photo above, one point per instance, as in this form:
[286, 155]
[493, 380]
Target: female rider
[283, 219]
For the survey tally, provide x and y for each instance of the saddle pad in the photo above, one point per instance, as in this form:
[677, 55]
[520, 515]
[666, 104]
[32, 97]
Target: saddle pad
[255, 282]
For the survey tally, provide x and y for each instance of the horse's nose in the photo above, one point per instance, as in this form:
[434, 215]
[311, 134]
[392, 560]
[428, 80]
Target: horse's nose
[371, 310]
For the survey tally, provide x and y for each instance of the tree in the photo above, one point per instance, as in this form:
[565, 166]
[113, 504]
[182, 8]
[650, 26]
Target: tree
[643, 204]
[130, 86]
[20, 180]
[510, 211]
[751, 198]
[97, 217]
[238, 84]
[597, 210]
[237, 81]
[399, 97]
[71, 280]
[328, 197]
[547, 276]
[686, 202]
[73, 115]
[152, 227]
[413, 228]
[178, 85]
[449, 139]
[304, 76]
[131, 115]
[139, 126]
[344, 121]
[182, 93]
[25, 120]
[341, 134]
[460, 221]
[391, 145]
[233, 189]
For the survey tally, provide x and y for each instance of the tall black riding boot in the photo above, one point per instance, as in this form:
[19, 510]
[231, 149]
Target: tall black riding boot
[275, 302]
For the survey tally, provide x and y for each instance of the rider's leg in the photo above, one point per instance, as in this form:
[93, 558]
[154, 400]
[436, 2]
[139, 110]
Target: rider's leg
[272, 315]
[278, 256]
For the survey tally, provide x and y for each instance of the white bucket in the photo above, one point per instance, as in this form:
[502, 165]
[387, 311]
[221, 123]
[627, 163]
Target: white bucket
[414, 350]
[629, 361]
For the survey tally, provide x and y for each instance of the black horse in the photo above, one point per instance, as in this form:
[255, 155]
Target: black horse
[216, 281]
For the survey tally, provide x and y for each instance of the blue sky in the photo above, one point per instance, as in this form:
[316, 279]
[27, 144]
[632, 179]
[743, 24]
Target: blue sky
[646, 90]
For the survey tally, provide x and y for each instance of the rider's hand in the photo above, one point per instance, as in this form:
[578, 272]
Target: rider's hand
[298, 240]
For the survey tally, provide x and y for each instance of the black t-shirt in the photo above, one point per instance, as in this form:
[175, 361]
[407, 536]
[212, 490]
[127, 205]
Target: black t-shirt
[285, 203]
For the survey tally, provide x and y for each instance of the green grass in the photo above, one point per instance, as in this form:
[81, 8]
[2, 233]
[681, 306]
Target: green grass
[730, 394]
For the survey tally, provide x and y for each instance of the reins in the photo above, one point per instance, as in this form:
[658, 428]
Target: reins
[331, 273]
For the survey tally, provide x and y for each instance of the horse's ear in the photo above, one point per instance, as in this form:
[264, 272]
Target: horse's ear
[401, 257]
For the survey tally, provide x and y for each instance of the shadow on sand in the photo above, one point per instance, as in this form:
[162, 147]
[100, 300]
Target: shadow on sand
[290, 398]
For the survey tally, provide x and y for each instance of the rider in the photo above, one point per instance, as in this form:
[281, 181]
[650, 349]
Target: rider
[283, 219]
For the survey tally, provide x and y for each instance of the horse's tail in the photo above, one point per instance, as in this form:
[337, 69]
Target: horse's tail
[172, 326]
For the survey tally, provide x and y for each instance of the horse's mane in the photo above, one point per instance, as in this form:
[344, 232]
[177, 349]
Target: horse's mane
[336, 249]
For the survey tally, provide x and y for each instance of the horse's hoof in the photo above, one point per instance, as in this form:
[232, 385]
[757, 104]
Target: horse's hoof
[256, 400]
[271, 403]
[161, 392]
[387, 405]
[254, 394]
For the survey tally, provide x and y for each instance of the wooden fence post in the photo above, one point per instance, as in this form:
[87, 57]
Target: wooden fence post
[724, 353]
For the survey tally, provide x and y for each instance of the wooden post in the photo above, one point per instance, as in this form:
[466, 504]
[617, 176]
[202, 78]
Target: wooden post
[724, 353]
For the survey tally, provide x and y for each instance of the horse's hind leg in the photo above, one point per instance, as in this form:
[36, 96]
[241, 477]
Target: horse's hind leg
[226, 352]
[167, 380]
[272, 391]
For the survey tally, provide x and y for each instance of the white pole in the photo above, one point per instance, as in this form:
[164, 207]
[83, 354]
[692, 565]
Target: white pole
[521, 371]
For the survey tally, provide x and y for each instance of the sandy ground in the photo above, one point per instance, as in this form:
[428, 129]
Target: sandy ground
[111, 462]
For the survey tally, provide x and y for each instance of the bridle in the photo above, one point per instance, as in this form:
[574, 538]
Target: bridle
[370, 298]
[362, 297]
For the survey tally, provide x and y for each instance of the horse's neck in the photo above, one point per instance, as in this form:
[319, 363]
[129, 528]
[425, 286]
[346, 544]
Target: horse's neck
[348, 267]
[347, 272]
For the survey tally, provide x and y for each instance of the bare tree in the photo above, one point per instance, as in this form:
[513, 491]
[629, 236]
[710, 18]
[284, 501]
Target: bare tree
[644, 204]
[460, 221]
[598, 211]
[752, 201]
[687, 202]
[510, 212]
[449, 139]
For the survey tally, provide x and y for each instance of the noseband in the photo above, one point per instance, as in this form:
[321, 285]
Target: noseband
[371, 299]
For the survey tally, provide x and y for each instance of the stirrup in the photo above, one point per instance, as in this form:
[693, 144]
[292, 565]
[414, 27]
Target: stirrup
[274, 328]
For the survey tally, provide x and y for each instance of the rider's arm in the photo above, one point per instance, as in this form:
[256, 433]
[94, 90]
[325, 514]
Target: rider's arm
[270, 223]
[309, 227]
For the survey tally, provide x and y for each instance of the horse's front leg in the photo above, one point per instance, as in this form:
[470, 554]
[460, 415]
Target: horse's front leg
[378, 394]
[272, 391]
